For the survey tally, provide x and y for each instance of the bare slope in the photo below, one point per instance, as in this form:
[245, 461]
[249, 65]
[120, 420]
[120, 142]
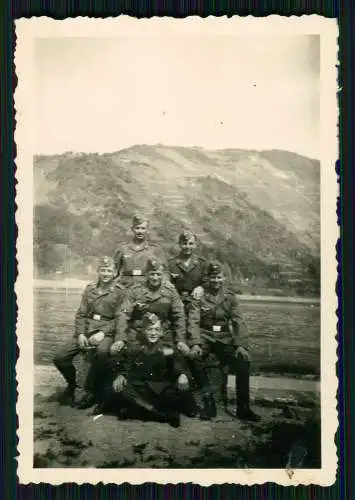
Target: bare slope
[259, 211]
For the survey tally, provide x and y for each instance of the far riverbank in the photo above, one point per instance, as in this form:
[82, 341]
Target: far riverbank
[78, 285]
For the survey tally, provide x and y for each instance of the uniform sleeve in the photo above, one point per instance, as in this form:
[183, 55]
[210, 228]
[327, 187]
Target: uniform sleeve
[81, 316]
[109, 328]
[161, 254]
[239, 329]
[179, 318]
[204, 274]
[123, 315]
[121, 364]
[193, 324]
[118, 259]
[178, 365]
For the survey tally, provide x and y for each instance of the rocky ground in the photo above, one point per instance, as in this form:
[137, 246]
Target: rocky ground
[288, 435]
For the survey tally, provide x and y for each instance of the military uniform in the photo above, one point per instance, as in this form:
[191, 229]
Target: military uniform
[218, 317]
[151, 372]
[164, 302]
[187, 277]
[216, 325]
[131, 261]
[96, 312]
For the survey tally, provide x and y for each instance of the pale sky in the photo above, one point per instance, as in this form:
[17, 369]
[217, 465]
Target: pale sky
[105, 94]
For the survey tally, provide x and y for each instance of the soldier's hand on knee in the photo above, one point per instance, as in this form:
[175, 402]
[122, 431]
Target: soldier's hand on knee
[83, 342]
[196, 351]
[116, 347]
[96, 338]
[183, 382]
[243, 353]
[119, 383]
[197, 293]
[183, 348]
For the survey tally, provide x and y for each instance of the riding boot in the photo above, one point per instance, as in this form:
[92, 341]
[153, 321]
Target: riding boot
[67, 398]
[209, 409]
[224, 394]
[243, 410]
[187, 405]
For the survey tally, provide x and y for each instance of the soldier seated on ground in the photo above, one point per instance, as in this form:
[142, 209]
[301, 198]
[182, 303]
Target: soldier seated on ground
[149, 379]
[215, 326]
[94, 330]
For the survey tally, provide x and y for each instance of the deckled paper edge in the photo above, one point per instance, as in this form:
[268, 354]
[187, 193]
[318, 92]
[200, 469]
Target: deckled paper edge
[26, 31]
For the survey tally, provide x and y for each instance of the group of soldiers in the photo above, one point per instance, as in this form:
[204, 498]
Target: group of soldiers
[150, 326]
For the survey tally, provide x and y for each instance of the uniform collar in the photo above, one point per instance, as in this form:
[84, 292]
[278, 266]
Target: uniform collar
[193, 262]
[158, 292]
[133, 247]
[219, 297]
[106, 290]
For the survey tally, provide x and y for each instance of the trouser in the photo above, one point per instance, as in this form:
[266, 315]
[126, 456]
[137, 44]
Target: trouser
[139, 399]
[237, 366]
[98, 369]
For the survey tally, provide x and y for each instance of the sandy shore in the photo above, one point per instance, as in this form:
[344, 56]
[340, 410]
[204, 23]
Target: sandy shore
[67, 437]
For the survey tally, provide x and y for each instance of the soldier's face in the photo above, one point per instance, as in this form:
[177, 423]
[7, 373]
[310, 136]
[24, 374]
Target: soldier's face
[188, 246]
[155, 277]
[140, 230]
[216, 281]
[154, 332]
[107, 273]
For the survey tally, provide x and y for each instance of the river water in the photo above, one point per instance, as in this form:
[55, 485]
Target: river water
[284, 337]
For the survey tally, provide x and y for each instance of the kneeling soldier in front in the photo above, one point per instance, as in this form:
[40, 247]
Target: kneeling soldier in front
[215, 326]
[150, 380]
[94, 329]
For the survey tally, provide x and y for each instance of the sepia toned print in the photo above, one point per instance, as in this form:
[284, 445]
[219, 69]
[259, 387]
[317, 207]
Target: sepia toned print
[177, 311]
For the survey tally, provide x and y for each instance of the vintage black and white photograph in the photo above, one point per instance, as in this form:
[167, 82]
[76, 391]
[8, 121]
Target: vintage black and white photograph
[176, 202]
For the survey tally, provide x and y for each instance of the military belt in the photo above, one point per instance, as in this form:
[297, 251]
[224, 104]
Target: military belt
[133, 273]
[99, 317]
[210, 335]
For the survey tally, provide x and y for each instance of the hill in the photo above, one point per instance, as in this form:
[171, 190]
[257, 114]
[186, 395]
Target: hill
[257, 210]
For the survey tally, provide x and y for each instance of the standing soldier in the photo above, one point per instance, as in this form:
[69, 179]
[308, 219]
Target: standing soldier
[215, 326]
[94, 329]
[153, 295]
[150, 379]
[131, 259]
[187, 270]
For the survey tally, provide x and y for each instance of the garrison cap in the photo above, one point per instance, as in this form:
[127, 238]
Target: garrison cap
[150, 319]
[138, 219]
[153, 264]
[214, 268]
[186, 236]
[106, 262]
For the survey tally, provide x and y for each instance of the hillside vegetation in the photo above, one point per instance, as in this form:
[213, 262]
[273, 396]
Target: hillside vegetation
[257, 211]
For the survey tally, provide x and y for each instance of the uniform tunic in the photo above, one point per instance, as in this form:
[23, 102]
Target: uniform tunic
[151, 371]
[186, 279]
[98, 308]
[96, 313]
[131, 261]
[164, 302]
[219, 317]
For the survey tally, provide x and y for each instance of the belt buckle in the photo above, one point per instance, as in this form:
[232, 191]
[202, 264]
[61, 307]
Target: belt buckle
[137, 272]
[216, 328]
[96, 317]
